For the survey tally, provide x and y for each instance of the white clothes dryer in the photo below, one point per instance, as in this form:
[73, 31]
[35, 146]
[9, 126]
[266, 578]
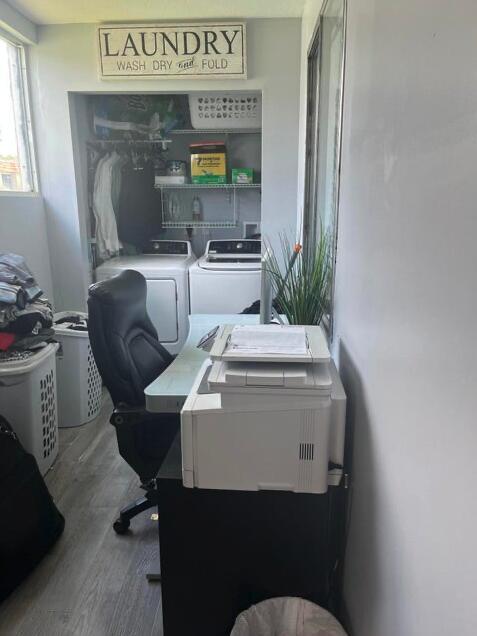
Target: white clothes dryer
[226, 279]
[166, 271]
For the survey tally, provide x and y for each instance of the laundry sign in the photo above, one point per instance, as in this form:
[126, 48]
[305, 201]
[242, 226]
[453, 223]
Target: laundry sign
[203, 50]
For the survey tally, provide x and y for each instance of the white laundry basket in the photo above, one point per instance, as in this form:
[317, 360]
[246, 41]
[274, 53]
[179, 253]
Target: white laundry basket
[225, 110]
[79, 382]
[286, 616]
[28, 402]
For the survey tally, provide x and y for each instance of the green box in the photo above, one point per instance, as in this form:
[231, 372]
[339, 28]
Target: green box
[242, 175]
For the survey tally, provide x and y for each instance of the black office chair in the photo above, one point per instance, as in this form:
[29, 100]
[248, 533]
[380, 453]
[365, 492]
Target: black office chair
[129, 356]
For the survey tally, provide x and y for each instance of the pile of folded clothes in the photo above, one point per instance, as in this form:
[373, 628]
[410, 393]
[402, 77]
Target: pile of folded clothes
[26, 318]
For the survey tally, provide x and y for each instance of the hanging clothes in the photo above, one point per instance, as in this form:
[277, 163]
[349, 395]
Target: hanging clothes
[107, 239]
[139, 214]
[116, 176]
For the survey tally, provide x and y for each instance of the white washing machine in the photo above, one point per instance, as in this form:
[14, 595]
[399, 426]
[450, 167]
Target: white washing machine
[166, 271]
[226, 279]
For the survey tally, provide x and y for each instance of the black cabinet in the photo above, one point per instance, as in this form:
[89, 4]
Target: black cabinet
[222, 551]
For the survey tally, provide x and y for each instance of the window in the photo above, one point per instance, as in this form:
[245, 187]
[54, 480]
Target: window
[323, 140]
[16, 163]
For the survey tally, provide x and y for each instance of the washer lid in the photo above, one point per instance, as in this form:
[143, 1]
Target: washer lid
[230, 264]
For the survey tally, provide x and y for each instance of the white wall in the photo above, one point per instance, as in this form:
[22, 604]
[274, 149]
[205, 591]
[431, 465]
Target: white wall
[406, 315]
[23, 231]
[65, 60]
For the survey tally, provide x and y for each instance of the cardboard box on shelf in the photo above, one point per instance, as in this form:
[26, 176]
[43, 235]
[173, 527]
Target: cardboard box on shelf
[208, 162]
[242, 175]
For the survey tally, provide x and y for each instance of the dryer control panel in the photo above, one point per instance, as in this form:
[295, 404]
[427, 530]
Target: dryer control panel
[169, 248]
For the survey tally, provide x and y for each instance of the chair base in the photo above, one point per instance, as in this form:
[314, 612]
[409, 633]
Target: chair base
[150, 500]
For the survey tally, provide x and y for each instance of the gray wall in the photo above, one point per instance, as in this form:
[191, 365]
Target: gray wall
[23, 231]
[406, 315]
[65, 61]
[15, 24]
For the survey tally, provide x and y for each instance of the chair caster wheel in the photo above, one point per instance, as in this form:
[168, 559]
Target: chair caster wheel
[120, 526]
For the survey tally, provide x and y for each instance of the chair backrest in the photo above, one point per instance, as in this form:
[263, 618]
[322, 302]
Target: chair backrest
[123, 339]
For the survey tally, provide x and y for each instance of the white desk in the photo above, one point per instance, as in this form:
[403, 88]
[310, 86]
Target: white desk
[168, 392]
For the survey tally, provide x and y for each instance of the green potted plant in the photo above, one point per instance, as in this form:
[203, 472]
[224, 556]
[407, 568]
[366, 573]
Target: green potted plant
[302, 288]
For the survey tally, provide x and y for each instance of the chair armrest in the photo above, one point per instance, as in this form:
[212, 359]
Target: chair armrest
[144, 438]
[136, 414]
[128, 415]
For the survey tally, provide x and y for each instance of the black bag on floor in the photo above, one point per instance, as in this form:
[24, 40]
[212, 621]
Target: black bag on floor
[29, 520]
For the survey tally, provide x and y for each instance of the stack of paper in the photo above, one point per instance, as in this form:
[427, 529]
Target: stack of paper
[280, 339]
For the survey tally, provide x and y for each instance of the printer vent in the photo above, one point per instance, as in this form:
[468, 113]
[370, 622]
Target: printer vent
[306, 451]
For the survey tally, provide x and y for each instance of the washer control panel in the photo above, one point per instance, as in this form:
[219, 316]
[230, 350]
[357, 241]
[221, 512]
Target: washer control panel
[240, 247]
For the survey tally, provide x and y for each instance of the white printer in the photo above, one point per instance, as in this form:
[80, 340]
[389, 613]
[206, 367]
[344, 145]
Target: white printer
[265, 413]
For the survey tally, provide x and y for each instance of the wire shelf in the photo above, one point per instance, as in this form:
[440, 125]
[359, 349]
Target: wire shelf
[209, 186]
[202, 224]
[124, 142]
[183, 195]
[216, 131]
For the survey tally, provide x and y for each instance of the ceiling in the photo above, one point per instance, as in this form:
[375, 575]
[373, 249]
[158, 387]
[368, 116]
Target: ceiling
[80, 11]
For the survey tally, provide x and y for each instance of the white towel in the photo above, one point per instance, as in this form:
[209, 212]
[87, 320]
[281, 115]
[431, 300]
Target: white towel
[107, 239]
